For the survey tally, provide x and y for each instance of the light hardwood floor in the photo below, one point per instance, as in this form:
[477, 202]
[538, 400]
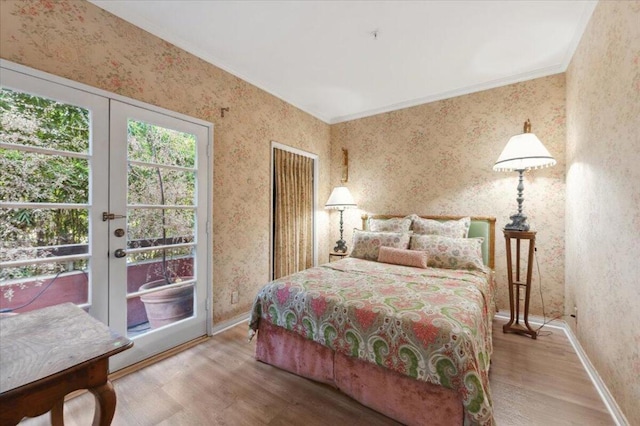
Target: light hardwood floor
[218, 382]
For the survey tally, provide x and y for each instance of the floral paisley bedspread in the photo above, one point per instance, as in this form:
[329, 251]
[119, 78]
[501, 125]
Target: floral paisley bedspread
[430, 324]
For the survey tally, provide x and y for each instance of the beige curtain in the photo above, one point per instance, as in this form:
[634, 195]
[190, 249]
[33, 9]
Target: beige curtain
[293, 215]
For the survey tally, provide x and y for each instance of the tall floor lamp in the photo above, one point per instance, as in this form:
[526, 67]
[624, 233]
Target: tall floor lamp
[340, 199]
[523, 152]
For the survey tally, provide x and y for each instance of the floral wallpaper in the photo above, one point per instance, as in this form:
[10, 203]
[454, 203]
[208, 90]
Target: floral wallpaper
[81, 42]
[430, 159]
[437, 158]
[603, 198]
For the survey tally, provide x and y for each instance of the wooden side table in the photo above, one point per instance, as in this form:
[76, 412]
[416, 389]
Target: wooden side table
[515, 284]
[337, 256]
[48, 353]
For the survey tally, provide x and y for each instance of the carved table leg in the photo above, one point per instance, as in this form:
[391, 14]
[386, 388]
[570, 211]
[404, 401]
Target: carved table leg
[105, 397]
[57, 413]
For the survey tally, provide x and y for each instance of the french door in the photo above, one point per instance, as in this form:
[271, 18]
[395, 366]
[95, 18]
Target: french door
[104, 204]
[157, 229]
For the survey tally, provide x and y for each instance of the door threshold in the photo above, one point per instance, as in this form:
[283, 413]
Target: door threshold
[156, 358]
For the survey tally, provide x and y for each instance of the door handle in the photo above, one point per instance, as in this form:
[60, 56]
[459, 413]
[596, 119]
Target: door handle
[119, 253]
[111, 216]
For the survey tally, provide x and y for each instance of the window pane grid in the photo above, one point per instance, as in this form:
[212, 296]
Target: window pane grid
[44, 151]
[161, 166]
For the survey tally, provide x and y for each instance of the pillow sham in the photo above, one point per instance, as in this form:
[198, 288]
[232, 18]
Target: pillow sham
[449, 228]
[404, 257]
[366, 244]
[450, 253]
[396, 224]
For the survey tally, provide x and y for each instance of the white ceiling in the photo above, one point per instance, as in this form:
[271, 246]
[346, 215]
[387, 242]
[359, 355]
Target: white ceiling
[324, 57]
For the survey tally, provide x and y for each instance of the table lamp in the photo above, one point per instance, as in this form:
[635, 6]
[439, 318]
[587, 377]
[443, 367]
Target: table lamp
[340, 199]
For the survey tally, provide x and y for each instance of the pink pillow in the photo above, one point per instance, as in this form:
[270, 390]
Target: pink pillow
[403, 257]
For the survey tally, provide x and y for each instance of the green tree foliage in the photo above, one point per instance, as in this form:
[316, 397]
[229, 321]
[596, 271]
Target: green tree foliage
[160, 175]
[37, 177]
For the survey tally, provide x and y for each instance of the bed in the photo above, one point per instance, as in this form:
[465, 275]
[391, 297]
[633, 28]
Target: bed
[402, 325]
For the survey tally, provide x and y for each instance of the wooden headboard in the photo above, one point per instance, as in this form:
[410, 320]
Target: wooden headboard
[481, 226]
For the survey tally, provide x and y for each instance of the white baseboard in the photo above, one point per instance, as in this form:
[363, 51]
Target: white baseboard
[225, 325]
[601, 387]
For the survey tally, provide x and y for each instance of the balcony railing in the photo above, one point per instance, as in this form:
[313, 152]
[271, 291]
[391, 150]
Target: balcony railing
[72, 286]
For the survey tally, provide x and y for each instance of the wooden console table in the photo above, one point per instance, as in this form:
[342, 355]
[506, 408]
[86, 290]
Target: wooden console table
[515, 284]
[48, 353]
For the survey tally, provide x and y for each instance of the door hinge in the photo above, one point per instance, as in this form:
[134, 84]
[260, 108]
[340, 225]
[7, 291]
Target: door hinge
[206, 304]
[111, 216]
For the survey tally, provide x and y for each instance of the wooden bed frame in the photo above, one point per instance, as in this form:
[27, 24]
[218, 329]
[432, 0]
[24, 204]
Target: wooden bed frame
[399, 397]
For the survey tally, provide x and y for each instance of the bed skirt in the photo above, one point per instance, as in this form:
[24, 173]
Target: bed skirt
[399, 397]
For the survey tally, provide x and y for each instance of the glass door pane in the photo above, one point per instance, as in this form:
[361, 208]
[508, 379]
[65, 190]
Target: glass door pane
[161, 208]
[46, 159]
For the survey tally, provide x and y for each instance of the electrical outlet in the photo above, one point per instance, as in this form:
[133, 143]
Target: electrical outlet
[234, 297]
[575, 313]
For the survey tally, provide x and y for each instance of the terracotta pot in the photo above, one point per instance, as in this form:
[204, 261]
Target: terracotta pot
[166, 306]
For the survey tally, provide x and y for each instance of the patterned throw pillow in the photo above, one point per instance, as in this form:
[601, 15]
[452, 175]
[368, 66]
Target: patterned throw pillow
[396, 224]
[366, 244]
[396, 256]
[450, 253]
[449, 228]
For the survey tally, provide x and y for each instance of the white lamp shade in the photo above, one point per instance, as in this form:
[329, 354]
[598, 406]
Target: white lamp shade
[340, 199]
[523, 152]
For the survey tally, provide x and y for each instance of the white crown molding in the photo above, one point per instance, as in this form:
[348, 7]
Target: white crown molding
[518, 78]
[611, 404]
[589, 7]
[119, 9]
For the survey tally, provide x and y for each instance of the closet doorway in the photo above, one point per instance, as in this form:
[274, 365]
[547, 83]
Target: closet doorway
[293, 218]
